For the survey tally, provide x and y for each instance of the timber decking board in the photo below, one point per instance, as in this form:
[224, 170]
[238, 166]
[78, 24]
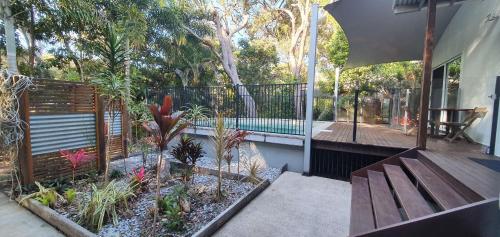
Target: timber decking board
[382, 136]
[441, 192]
[361, 206]
[414, 205]
[480, 179]
[384, 207]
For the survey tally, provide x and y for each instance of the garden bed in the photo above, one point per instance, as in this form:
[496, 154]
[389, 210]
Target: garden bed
[204, 213]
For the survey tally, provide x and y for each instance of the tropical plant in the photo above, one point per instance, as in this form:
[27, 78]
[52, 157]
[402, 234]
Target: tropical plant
[195, 113]
[172, 207]
[75, 158]
[166, 126]
[180, 151]
[104, 204]
[195, 152]
[254, 167]
[46, 196]
[70, 195]
[220, 143]
[116, 174]
[234, 139]
[138, 178]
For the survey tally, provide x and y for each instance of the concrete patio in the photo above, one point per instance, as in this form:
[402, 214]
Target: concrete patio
[17, 221]
[295, 205]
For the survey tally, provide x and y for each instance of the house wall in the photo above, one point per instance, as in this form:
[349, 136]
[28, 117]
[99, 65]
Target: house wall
[477, 41]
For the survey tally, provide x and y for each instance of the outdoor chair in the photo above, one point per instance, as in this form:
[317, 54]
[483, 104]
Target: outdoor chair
[458, 128]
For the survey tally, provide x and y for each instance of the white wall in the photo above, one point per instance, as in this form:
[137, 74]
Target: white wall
[477, 41]
[275, 155]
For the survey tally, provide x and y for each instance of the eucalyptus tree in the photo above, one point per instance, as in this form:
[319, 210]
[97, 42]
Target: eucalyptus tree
[225, 19]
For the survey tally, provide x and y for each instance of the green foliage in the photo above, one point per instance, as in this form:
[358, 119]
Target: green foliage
[104, 204]
[116, 174]
[46, 196]
[170, 207]
[257, 62]
[70, 195]
[338, 48]
[195, 113]
[220, 143]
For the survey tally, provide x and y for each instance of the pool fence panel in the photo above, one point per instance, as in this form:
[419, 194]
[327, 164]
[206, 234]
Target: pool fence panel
[280, 108]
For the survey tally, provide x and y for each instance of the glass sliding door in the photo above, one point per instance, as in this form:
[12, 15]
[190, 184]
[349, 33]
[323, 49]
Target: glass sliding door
[453, 83]
[437, 88]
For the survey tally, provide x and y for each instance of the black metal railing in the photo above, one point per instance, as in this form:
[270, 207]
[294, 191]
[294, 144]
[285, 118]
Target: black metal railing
[273, 108]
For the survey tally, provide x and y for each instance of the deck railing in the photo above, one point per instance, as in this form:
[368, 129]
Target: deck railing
[272, 108]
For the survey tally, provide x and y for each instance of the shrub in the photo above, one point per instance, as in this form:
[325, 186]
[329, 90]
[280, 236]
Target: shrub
[254, 167]
[137, 179]
[70, 195]
[46, 196]
[104, 203]
[116, 174]
[326, 114]
[171, 207]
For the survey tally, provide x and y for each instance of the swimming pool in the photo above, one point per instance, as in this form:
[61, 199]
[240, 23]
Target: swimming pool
[269, 125]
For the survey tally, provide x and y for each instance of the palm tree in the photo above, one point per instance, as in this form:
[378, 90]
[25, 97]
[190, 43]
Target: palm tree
[166, 126]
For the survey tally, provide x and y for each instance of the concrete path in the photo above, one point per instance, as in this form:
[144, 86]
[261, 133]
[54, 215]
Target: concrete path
[295, 205]
[16, 221]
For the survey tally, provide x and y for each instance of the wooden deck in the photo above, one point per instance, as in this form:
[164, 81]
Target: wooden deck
[384, 137]
[453, 159]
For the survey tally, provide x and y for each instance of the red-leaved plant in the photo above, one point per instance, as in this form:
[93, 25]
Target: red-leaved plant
[75, 158]
[166, 126]
[234, 140]
[137, 178]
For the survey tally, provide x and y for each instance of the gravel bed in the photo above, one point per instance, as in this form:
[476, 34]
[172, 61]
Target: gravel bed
[207, 162]
[133, 222]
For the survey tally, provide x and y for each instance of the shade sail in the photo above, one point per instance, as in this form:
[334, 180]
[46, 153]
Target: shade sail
[376, 34]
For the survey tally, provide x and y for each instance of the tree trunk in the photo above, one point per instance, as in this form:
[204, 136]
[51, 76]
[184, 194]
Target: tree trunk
[230, 68]
[10, 37]
[32, 41]
[74, 59]
[128, 95]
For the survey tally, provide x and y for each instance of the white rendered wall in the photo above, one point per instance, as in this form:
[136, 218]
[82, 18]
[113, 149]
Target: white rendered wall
[477, 41]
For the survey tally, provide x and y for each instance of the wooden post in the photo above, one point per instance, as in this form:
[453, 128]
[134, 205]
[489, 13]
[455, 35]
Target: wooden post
[100, 138]
[125, 128]
[427, 73]
[355, 120]
[25, 157]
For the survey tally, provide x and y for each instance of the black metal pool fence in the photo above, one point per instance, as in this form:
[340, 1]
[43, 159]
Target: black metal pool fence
[272, 108]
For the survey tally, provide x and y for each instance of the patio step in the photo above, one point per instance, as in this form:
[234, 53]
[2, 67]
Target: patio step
[361, 206]
[442, 193]
[384, 207]
[413, 203]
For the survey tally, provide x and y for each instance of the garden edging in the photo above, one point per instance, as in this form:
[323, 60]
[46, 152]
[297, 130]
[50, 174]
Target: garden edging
[231, 211]
[63, 224]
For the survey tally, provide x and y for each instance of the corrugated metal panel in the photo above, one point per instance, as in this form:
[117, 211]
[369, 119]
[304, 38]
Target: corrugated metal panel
[51, 133]
[117, 123]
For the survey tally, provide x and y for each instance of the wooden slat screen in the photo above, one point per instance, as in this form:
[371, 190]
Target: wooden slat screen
[62, 116]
